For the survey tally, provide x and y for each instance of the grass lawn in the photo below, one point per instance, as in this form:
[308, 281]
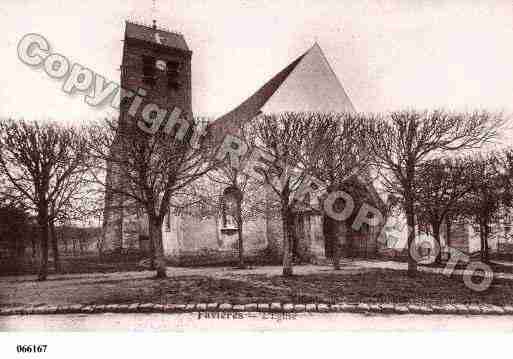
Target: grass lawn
[90, 263]
[371, 285]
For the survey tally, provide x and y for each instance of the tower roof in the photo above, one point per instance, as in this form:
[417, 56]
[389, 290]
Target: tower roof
[157, 35]
[308, 84]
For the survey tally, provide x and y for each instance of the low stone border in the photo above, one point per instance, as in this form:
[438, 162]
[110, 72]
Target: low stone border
[382, 308]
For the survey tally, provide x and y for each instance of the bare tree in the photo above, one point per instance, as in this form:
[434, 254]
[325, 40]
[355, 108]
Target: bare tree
[38, 159]
[338, 152]
[489, 196]
[401, 142]
[283, 142]
[441, 185]
[505, 169]
[205, 197]
[239, 184]
[152, 169]
[237, 178]
[76, 201]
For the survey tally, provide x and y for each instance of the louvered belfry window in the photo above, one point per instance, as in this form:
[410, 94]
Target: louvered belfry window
[173, 75]
[149, 70]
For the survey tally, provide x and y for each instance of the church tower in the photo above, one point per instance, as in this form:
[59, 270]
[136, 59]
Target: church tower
[156, 63]
[159, 62]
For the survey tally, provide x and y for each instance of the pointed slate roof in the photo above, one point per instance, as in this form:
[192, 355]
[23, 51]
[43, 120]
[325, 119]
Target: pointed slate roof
[147, 33]
[308, 84]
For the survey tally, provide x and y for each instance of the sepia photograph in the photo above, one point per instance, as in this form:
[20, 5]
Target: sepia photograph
[174, 166]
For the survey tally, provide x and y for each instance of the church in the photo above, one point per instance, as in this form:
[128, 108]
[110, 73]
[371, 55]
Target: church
[160, 62]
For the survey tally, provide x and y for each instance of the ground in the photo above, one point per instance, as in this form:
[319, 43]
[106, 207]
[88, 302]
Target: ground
[83, 263]
[358, 281]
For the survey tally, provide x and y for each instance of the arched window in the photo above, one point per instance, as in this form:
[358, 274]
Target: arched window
[230, 207]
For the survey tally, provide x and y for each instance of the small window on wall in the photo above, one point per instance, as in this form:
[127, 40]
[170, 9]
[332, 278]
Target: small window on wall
[125, 103]
[149, 70]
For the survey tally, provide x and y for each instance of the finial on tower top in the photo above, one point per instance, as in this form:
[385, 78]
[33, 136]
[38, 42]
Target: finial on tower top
[153, 12]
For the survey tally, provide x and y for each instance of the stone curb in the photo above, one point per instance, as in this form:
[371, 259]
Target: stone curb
[365, 308]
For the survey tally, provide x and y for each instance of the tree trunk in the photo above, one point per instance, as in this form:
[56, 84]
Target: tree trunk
[485, 258]
[240, 242]
[481, 240]
[448, 225]
[43, 235]
[410, 220]
[332, 232]
[336, 253]
[55, 248]
[99, 246]
[287, 255]
[218, 237]
[34, 247]
[155, 229]
[436, 235]
[152, 250]
[240, 248]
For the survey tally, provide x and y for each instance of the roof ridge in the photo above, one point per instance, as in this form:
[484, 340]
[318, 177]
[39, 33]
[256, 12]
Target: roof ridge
[249, 108]
[159, 27]
[230, 123]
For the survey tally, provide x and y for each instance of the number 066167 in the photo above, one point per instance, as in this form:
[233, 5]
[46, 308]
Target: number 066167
[31, 348]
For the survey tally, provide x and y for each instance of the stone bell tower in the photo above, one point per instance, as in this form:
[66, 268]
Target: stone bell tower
[157, 63]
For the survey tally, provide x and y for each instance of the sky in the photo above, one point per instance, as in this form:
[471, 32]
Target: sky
[388, 55]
